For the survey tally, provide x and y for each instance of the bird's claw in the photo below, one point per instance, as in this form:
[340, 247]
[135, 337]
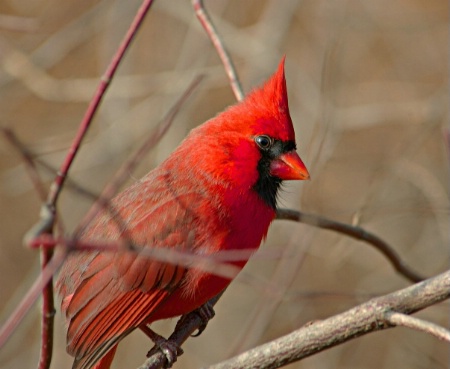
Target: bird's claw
[170, 349]
[206, 313]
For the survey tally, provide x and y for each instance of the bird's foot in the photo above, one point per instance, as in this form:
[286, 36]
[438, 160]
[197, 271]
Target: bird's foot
[170, 349]
[206, 313]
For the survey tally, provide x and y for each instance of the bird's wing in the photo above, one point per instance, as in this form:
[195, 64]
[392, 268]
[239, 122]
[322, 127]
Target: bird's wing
[106, 295]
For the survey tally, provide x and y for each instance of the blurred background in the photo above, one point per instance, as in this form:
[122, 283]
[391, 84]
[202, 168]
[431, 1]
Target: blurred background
[368, 91]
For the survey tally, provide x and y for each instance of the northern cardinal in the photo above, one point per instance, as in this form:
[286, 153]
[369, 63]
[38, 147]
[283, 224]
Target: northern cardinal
[216, 191]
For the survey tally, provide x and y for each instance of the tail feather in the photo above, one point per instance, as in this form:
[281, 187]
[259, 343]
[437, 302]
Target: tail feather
[104, 363]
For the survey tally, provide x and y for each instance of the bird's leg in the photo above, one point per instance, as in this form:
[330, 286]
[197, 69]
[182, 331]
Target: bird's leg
[169, 348]
[205, 312]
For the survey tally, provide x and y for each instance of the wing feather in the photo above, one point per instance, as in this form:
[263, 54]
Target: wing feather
[106, 295]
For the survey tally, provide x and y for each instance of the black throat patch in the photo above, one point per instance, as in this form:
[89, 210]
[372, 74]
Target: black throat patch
[267, 185]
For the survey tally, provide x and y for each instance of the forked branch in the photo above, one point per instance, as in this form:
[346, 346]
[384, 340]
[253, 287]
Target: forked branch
[358, 321]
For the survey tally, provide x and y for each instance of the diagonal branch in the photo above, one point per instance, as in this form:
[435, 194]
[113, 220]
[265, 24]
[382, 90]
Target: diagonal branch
[358, 321]
[102, 201]
[211, 31]
[96, 100]
[354, 232]
[48, 306]
[28, 160]
[10, 325]
[399, 319]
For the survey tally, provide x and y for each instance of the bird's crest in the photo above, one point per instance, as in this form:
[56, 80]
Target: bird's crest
[265, 110]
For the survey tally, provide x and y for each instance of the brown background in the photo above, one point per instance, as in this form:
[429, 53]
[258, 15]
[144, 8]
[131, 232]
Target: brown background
[368, 89]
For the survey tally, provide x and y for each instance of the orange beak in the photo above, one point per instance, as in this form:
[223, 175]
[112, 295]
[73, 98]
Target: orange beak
[289, 166]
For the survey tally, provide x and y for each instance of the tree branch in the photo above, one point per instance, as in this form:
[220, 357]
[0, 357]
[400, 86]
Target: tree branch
[96, 100]
[211, 31]
[48, 307]
[358, 321]
[10, 325]
[399, 319]
[102, 201]
[354, 232]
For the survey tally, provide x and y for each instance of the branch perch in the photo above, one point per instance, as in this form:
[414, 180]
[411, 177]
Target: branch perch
[358, 321]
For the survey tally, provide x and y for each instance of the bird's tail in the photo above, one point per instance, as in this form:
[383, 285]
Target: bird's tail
[104, 363]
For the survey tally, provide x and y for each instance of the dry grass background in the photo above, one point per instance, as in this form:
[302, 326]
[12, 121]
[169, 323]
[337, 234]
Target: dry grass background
[368, 89]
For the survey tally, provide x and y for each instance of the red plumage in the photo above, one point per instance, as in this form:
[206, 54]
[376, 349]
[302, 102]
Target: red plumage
[216, 191]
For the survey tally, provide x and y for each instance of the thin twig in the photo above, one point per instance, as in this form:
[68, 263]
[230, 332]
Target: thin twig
[96, 100]
[217, 263]
[48, 307]
[360, 320]
[46, 225]
[354, 232]
[28, 160]
[399, 319]
[31, 296]
[213, 35]
[121, 175]
[103, 200]
[47, 315]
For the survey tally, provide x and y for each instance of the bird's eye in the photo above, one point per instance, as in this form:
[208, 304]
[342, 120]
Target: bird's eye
[264, 142]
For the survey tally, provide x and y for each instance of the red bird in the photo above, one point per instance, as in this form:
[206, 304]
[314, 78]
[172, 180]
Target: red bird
[217, 191]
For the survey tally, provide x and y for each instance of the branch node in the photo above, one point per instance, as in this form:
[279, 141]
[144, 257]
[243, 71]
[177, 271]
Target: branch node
[45, 225]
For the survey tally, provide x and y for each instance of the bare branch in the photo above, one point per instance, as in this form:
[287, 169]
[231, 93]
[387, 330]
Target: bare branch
[399, 319]
[213, 35]
[96, 100]
[28, 160]
[354, 232]
[217, 263]
[47, 315]
[360, 320]
[31, 296]
[48, 307]
[102, 201]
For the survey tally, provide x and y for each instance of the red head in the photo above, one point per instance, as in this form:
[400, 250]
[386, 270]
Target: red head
[251, 144]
